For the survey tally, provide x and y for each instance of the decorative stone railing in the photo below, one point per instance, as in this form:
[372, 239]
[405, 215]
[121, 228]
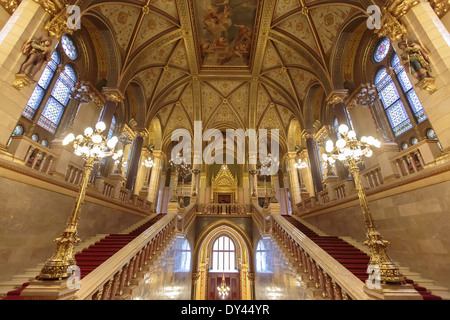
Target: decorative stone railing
[324, 197]
[334, 281]
[111, 279]
[74, 174]
[32, 154]
[372, 177]
[416, 157]
[223, 208]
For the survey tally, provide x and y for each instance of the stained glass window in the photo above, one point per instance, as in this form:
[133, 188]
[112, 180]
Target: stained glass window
[408, 89]
[60, 96]
[382, 50]
[42, 85]
[404, 146]
[35, 137]
[69, 47]
[44, 143]
[392, 103]
[432, 135]
[414, 141]
[112, 128]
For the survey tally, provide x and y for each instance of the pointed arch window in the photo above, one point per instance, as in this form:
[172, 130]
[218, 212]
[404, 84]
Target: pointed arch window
[112, 127]
[392, 103]
[57, 102]
[223, 255]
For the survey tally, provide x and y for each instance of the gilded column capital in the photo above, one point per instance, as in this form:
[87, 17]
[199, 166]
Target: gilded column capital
[52, 7]
[113, 94]
[308, 133]
[391, 27]
[10, 5]
[337, 96]
[399, 8]
[441, 7]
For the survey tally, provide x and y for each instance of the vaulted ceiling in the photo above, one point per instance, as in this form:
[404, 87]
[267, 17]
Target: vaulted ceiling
[229, 63]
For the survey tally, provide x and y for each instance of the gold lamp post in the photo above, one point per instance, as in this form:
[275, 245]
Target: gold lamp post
[92, 147]
[349, 151]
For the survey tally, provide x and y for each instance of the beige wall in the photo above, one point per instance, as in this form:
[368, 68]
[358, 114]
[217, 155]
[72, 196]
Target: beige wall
[417, 224]
[31, 218]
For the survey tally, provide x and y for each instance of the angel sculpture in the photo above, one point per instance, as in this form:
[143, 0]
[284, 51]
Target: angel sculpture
[415, 59]
[38, 52]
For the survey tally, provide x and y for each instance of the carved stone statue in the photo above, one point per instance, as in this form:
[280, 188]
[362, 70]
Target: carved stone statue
[415, 59]
[38, 52]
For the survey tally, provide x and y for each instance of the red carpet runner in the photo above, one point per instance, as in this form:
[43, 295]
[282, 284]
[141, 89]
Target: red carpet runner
[350, 257]
[93, 256]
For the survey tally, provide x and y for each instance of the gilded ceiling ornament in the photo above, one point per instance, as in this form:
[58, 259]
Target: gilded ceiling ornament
[399, 8]
[146, 9]
[10, 5]
[391, 27]
[441, 7]
[53, 7]
[57, 26]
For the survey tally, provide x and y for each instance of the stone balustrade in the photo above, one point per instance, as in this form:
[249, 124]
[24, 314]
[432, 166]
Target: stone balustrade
[112, 279]
[372, 177]
[333, 280]
[32, 154]
[223, 208]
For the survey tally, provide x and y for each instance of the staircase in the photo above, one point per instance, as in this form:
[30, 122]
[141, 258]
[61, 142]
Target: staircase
[101, 248]
[352, 258]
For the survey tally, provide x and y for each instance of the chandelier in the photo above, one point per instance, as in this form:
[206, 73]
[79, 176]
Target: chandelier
[223, 289]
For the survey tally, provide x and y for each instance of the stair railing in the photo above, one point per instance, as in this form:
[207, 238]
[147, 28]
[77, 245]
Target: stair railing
[333, 280]
[111, 278]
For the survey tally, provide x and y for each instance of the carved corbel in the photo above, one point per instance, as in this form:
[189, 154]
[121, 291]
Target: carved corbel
[113, 94]
[10, 5]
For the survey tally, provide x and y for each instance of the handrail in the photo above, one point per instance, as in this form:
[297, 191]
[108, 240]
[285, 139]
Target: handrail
[335, 281]
[111, 274]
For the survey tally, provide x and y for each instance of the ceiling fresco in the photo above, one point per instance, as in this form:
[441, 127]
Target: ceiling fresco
[236, 63]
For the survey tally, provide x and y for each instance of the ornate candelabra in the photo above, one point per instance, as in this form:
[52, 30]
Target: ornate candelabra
[92, 147]
[349, 151]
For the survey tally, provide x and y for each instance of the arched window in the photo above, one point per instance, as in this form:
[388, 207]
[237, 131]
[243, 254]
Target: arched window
[57, 102]
[393, 105]
[223, 255]
[183, 256]
[408, 89]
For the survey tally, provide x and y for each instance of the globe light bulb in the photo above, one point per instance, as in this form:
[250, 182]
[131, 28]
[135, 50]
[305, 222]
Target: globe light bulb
[112, 142]
[369, 153]
[329, 146]
[351, 134]
[79, 137]
[343, 129]
[341, 157]
[371, 140]
[96, 138]
[101, 126]
[341, 143]
[88, 132]
[324, 157]
[70, 137]
[364, 139]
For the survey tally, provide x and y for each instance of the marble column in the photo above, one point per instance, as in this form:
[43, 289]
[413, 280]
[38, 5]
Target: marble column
[135, 159]
[153, 189]
[314, 162]
[293, 179]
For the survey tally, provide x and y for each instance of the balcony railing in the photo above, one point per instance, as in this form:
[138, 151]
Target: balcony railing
[223, 208]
